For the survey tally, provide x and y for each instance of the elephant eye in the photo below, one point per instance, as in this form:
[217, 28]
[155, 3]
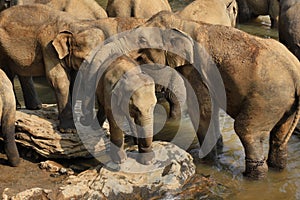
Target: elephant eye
[142, 40]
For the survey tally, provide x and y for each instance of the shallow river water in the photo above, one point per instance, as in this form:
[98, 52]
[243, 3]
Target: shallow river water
[278, 185]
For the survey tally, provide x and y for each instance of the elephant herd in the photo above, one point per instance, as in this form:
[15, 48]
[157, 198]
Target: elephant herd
[256, 81]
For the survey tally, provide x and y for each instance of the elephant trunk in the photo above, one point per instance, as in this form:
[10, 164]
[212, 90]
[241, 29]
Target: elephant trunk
[145, 137]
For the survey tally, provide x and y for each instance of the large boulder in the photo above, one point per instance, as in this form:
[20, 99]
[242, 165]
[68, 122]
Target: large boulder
[171, 169]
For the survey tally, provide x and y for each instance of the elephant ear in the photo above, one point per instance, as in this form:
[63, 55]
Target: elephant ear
[62, 43]
[185, 43]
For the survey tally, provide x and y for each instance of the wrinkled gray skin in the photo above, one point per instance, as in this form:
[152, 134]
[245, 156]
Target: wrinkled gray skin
[261, 97]
[289, 25]
[53, 45]
[211, 11]
[136, 8]
[81, 9]
[136, 110]
[250, 9]
[7, 119]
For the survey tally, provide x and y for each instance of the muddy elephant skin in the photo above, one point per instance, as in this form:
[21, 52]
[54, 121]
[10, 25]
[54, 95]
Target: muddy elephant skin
[211, 11]
[7, 119]
[136, 8]
[262, 97]
[53, 45]
[81, 9]
[289, 25]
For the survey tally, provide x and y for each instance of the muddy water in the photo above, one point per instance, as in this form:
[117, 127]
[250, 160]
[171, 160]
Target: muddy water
[278, 185]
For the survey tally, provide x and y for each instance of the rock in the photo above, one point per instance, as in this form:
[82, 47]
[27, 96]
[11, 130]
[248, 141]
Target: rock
[170, 170]
[52, 166]
[37, 130]
[34, 193]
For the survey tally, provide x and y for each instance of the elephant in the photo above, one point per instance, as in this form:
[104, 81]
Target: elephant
[53, 44]
[289, 25]
[125, 93]
[211, 11]
[114, 26]
[250, 9]
[262, 98]
[82, 9]
[7, 119]
[136, 8]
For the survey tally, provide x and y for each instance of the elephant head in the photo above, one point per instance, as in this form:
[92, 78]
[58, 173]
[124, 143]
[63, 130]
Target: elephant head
[76, 47]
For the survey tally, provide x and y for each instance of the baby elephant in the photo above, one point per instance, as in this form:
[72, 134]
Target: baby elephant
[126, 94]
[7, 119]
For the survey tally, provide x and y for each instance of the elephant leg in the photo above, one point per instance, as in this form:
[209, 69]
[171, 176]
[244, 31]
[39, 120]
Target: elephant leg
[31, 99]
[101, 117]
[277, 157]
[253, 126]
[60, 82]
[175, 108]
[11, 77]
[205, 120]
[8, 131]
[117, 152]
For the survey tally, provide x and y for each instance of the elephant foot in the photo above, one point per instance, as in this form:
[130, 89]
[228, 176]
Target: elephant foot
[18, 105]
[14, 162]
[256, 169]
[12, 154]
[34, 106]
[118, 155]
[146, 158]
[67, 127]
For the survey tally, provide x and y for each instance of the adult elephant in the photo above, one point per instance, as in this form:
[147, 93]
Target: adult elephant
[289, 25]
[250, 9]
[211, 11]
[82, 9]
[53, 43]
[136, 8]
[7, 119]
[126, 94]
[261, 97]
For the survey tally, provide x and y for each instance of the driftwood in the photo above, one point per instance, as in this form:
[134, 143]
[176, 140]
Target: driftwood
[37, 130]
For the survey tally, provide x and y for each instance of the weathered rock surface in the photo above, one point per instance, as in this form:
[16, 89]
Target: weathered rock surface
[37, 130]
[170, 170]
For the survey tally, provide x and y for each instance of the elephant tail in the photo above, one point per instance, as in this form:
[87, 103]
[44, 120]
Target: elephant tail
[296, 118]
